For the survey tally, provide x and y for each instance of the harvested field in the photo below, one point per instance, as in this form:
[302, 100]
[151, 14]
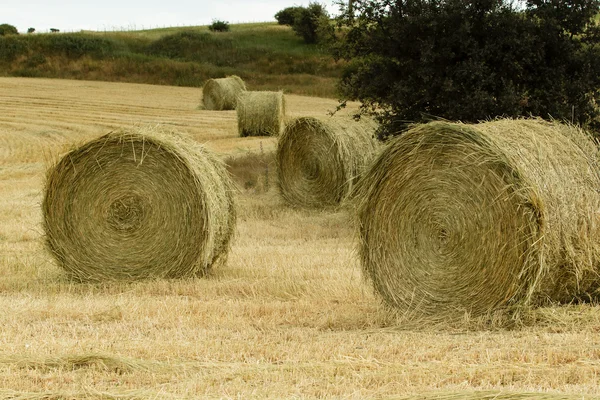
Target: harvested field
[288, 316]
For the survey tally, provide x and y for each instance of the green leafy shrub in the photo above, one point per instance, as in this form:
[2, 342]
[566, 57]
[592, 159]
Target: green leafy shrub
[219, 26]
[311, 23]
[7, 29]
[11, 47]
[69, 45]
[76, 45]
[416, 60]
[287, 15]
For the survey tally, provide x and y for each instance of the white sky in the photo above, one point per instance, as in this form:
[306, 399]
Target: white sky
[101, 15]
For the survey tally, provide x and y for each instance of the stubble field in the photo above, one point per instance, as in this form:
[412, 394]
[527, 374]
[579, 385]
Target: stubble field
[288, 316]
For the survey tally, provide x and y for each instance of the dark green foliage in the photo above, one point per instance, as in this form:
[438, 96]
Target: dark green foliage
[416, 60]
[76, 45]
[30, 30]
[7, 29]
[287, 15]
[219, 26]
[35, 60]
[11, 47]
[310, 22]
[69, 45]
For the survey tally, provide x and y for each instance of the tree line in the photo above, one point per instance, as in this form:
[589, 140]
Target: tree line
[411, 61]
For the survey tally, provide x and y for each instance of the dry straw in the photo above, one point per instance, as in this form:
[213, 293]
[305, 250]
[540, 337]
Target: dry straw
[70, 363]
[495, 395]
[260, 113]
[222, 93]
[138, 203]
[319, 160]
[502, 215]
[87, 393]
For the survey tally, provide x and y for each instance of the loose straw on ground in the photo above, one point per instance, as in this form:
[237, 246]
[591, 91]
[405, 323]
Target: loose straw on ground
[222, 93]
[138, 203]
[319, 160]
[457, 219]
[260, 113]
[495, 395]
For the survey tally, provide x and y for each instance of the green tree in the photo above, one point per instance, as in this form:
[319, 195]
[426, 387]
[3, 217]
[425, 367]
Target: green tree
[287, 15]
[311, 23]
[413, 60]
[7, 29]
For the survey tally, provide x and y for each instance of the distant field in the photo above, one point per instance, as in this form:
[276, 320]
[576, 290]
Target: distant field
[266, 55]
[288, 316]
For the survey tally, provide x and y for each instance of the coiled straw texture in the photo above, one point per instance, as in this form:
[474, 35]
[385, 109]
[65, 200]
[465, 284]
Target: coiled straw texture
[138, 203]
[260, 113]
[320, 160]
[222, 93]
[457, 219]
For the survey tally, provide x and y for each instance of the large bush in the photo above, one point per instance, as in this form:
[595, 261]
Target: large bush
[414, 60]
[219, 26]
[7, 29]
[287, 15]
[310, 23]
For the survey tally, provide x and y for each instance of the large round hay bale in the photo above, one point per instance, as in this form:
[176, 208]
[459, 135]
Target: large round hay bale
[460, 218]
[138, 203]
[319, 160]
[260, 113]
[222, 93]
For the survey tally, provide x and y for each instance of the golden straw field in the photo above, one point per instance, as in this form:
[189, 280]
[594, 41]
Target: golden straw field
[289, 314]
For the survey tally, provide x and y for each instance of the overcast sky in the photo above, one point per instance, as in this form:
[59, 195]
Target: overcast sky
[101, 15]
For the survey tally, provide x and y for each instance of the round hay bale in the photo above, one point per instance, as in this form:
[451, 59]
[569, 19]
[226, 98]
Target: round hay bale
[319, 160]
[138, 203]
[222, 93]
[260, 113]
[501, 215]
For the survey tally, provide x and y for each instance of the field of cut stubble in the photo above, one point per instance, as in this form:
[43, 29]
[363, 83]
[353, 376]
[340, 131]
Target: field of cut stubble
[288, 316]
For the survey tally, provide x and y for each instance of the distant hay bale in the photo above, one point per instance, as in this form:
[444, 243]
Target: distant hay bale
[222, 93]
[260, 113]
[501, 215]
[138, 203]
[319, 160]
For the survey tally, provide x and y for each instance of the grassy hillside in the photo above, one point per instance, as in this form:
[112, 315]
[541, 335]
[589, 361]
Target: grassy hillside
[266, 55]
